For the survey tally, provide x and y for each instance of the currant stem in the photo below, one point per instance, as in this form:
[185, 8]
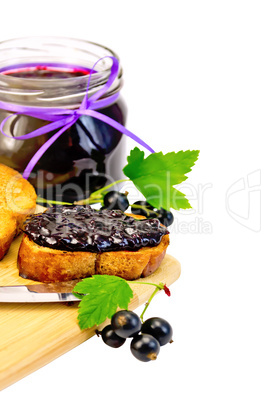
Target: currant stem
[89, 201]
[148, 303]
[44, 201]
[144, 208]
[158, 287]
[97, 196]
[103, 189]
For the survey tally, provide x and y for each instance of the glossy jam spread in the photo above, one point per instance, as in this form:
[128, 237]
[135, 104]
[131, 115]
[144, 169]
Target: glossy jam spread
[81, 228]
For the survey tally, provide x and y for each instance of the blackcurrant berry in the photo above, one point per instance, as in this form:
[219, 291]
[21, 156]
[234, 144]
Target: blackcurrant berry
[126, 323]
[165, 217]
[159, 328]
[115, 200]
[111, 338]
[145, 347]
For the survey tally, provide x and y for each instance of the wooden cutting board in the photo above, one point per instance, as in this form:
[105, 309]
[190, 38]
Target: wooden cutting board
[33, 334]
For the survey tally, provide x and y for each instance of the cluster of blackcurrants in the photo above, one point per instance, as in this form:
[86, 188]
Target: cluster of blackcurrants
[117, 200]
[147, 338]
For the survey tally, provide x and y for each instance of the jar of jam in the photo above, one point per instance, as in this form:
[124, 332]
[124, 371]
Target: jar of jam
[48, 72]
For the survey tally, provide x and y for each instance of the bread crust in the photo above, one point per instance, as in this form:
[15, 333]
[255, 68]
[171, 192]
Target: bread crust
[44, 264]
[17, 201]
[16, 194]
[132, 264]
[8, 230]
[49, 265]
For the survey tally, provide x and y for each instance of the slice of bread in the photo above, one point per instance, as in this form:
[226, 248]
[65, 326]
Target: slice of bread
[45, 264]
[8, 230]
[17, 201]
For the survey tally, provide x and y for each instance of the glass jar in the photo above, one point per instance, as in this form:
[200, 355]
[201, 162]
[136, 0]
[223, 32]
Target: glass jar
[53, 72]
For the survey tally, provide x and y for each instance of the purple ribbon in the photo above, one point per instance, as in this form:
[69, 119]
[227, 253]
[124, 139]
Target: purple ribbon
[65, 118]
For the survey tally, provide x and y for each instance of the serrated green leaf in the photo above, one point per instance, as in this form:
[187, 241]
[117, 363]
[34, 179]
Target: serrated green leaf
[102, 295]
[156, 175]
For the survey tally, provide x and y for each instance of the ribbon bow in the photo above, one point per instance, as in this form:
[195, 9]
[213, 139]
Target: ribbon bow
[64, 118]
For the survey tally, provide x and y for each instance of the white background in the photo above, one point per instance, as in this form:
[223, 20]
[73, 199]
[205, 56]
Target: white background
[194, 75]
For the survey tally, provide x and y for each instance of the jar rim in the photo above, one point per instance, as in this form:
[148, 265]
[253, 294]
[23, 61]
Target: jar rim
[64, 50]
[59, 39]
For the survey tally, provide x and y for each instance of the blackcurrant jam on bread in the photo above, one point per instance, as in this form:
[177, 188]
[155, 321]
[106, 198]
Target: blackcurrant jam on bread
[72, 242]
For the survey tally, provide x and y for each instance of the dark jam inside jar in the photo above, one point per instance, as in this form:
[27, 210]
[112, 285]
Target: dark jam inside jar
[86, 157]
[44, 71]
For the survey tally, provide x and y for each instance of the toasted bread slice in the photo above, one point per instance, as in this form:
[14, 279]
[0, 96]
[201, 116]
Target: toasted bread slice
[8, 230]
[132, 264]
[17, 201]
[45, 264]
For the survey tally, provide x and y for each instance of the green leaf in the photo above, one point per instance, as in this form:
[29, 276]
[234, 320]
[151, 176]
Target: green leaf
[101, 296]
[156, 175]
